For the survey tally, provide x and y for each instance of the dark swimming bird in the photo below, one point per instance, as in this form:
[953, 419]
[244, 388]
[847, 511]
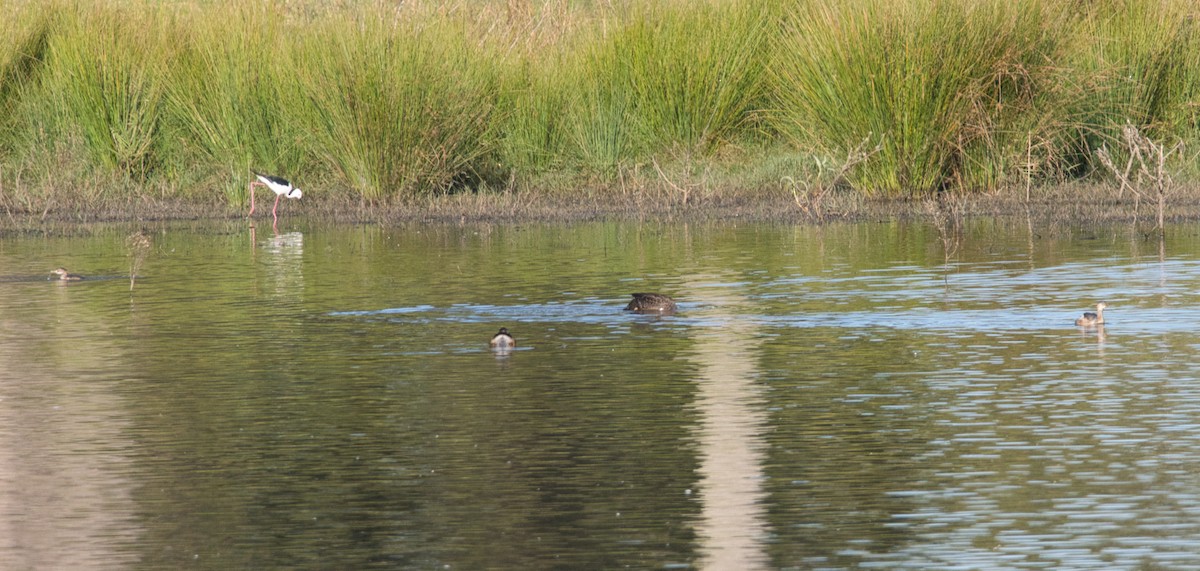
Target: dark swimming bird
[651, 303]
[66, 276]
[1090, 318]
[503, 340]
[280, 186]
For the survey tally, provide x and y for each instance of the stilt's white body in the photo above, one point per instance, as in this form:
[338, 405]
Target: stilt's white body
[280, 186]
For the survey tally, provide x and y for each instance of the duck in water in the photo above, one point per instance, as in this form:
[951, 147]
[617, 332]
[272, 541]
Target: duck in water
[503, 340]
[1090, 319]
[66, 276]
[651, 303]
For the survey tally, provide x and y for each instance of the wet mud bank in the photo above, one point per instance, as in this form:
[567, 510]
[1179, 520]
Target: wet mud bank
[1065, 204]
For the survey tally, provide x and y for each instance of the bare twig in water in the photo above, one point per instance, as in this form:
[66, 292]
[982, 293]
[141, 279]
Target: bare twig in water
[686, 190]
[138, 244]
[809, 193]
[1037, 157]
[1145, 169]
[946, 211]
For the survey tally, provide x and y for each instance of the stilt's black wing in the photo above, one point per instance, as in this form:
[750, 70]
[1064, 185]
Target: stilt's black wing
[272, 178]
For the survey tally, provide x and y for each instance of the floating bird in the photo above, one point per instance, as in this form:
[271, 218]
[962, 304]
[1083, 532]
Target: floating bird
[280, 186]
[1089, 318]
[651, 303]
[503, 340]
[66, 276]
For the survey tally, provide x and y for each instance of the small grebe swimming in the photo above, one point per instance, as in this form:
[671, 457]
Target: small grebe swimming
[651, 303]
[503, 340]
[1090, 318]
[66, 276]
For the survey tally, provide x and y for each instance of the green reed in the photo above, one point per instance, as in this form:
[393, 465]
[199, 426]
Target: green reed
[668, 77]
[938, 87]
[395, 107]
[695, 70]
[21, 60]
[104, 83]
[531, 127]
[226, 94]
[376, 102]
[1139, 64]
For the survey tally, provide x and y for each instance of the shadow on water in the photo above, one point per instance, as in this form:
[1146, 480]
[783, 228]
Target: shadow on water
[835, 397]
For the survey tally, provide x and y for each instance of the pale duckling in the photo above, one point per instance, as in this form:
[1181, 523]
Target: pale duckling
[503, 340]
[1089, 319]
[66, 276]
[651, 303]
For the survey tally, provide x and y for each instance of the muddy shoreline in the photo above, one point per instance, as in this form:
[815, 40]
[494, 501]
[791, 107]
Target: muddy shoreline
[1064, 204]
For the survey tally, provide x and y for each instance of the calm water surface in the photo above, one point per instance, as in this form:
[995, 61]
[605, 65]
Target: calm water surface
[844, 397]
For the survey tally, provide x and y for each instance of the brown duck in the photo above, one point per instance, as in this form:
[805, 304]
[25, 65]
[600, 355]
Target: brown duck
[651, 303]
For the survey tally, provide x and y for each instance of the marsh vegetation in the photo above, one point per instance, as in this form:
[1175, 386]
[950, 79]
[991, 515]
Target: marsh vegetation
[116, 106]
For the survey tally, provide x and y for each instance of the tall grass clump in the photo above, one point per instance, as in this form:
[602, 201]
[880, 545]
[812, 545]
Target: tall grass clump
[539, 46]
[894, 98]
[695, 69]
[1140, 64]
[21, 61]
[936, 85]
[602, 128]
[226, 92]
[398, 107]
[105, 86]
[531, 126]
[675, 76]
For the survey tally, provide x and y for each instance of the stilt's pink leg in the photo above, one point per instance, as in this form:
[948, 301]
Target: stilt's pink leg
[252, 185]
[273, 215]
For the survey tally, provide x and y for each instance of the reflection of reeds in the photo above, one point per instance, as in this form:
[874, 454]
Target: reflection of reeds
[138, 245]
[946, 214]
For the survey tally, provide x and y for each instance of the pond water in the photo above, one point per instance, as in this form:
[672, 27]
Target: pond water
[835, 397]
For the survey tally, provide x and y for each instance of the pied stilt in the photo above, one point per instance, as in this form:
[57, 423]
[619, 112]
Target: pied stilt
[280, 186]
